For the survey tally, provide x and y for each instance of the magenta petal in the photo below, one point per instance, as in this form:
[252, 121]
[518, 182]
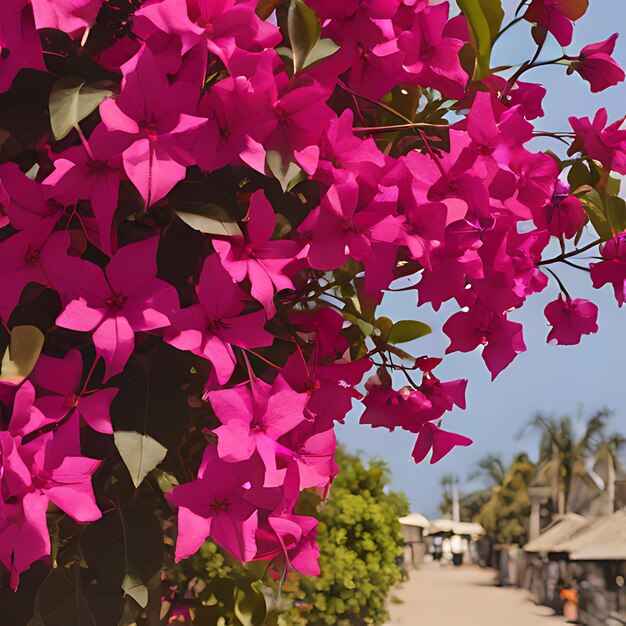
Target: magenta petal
[235, 441]
[151, 169]
[192, 532]
[235, 535]
[262, 219]
[79, 316]
[444, 441]
[423, 444]
[114, 119]
[61, 376]
[114, 340]
[77, 500]
[94, 409]
[133, 266]
[33, 540]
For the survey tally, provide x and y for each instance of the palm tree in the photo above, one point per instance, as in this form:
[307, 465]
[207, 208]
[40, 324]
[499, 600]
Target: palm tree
[505, 513]
[564, 456]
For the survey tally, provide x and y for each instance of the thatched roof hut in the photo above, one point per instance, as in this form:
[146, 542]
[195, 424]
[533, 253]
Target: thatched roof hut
[468, 529]
[602, 540]
[552, 539]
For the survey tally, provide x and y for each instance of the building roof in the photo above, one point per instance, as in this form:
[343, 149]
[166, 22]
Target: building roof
[551, 539]
[458, 528]
[414, 519]
[602, 540]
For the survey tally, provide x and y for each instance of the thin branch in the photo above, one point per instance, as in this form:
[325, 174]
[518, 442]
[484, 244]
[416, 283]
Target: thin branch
[571, 253]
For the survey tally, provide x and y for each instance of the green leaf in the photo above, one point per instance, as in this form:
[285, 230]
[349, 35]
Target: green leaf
[578, 175]
[365, 327]
[616, 213]
[266, 7]
[384, 324]
[484, 18]
[24, 349]
[72, 100]
[283, 172]
[594, 207]
[408, 330]
[320, 51]
[126, 547]
[211, 220]
[304, 32]
[250, 607]
[140, 453]
[76, 597]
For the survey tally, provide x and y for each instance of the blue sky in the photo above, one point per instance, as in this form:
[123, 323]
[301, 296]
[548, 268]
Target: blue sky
[547, 379]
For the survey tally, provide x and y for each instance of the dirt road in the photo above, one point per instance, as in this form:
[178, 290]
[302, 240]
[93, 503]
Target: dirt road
[464, 596]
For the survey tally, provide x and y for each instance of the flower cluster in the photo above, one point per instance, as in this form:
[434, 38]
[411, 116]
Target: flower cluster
[243, 194]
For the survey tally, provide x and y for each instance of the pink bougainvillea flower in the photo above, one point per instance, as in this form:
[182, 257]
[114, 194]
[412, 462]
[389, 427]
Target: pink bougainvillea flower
[238, 121]
[450, 265]
[342, 154]
[216, 323]
[91, 172]
[502, 339]
[331, 387]
[430, 57]
[301, 117]
[597, 67]
[226, 25]
[564, 216]
[612, 270]
[254, 416]
[115, 303]
[27, 205]
[337, 231]
[69, 16]
[389, 408]
[323, 326]
[155, 119]
[59, 381]
[570, 320]
[375, 9]
[293, 537]
[263, 261]
[440, 441]
[313, 453]
[556, 16]
[216, 508]
[47, 469]
[20, 46]
[20, 264]
[606, 144]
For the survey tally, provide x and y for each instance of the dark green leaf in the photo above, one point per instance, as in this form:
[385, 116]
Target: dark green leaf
[76, 597]
[578, 175]
[408, 330]
[484, 18]
[126, 547]
[72, 100]
[304, 32]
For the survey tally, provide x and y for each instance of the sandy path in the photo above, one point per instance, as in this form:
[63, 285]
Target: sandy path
[464, 596]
